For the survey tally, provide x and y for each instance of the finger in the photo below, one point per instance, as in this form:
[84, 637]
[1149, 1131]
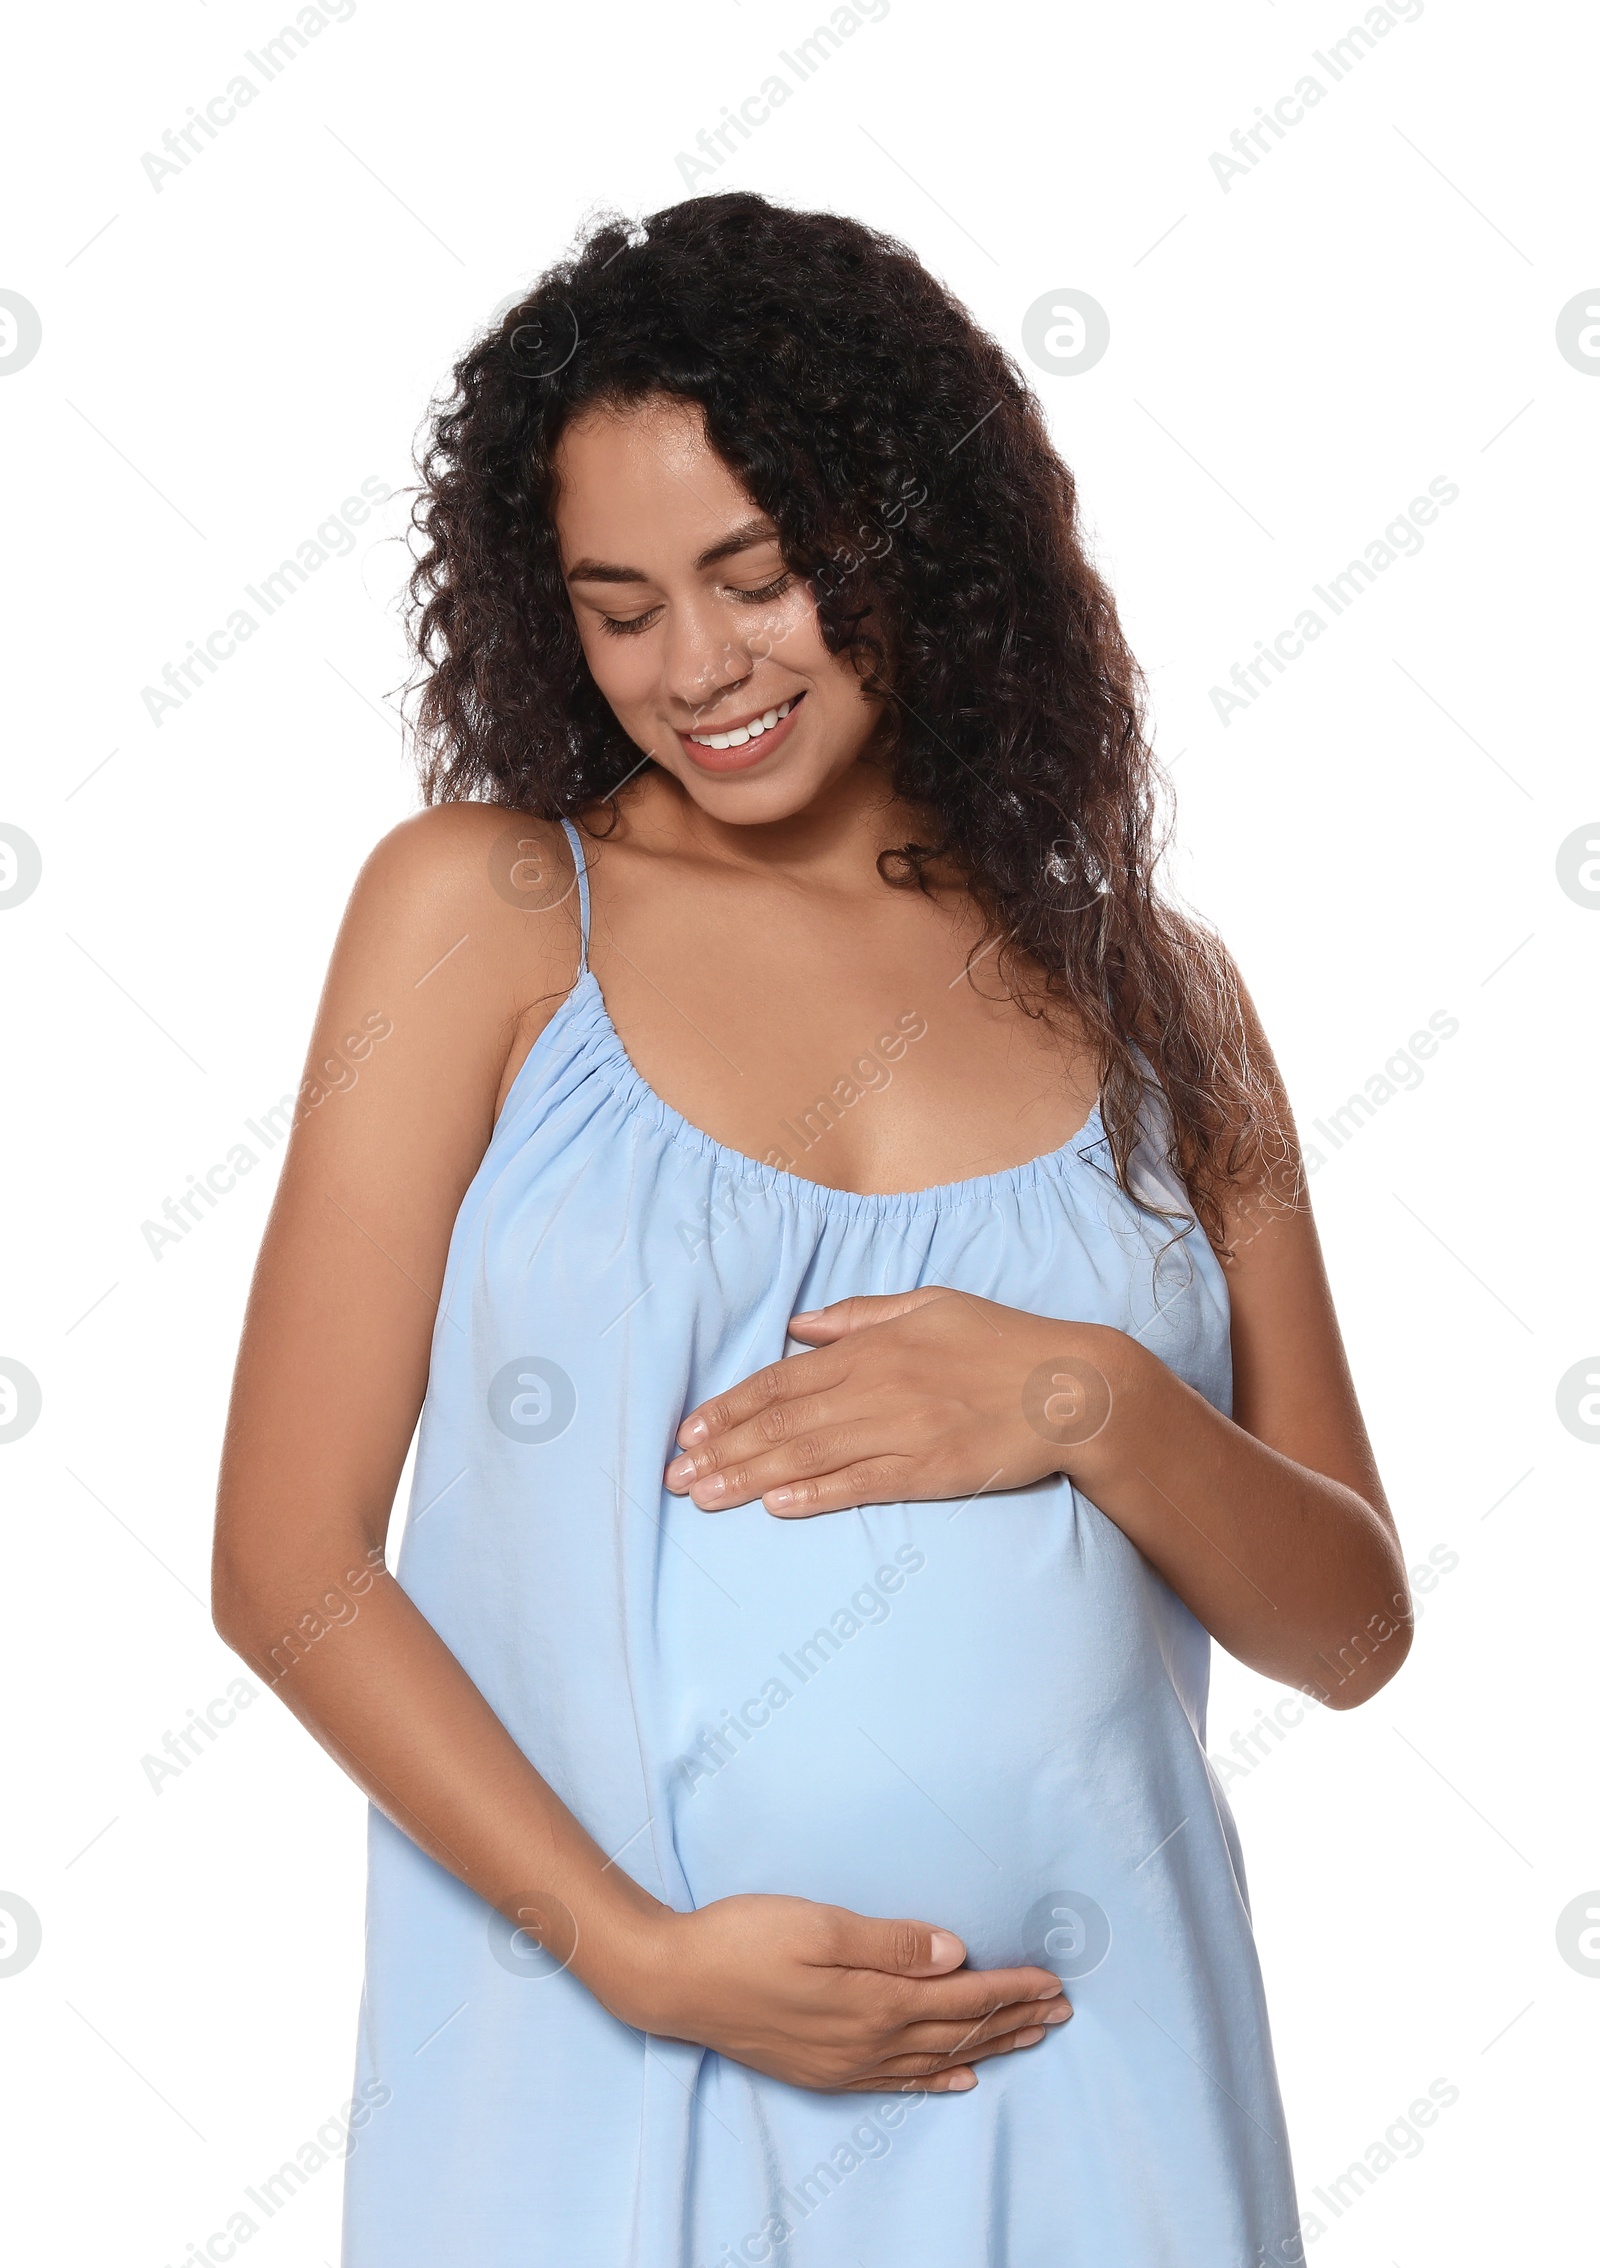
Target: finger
[956, 2081]
[820, 1326]
[817, 1455]
[972, 1995]
[818, 1414]
[964, 2038]
[777, 1382]
[888, 1477]
[868, 1480]
[914, 1950]
[926, 2064]
[924, 1967]
[926, 2070]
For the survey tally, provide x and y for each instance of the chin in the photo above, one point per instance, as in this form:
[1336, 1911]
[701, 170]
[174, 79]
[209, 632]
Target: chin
[744, 799]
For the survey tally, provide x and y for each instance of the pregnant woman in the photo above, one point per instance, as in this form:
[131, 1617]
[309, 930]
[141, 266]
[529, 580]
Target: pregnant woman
[845, 1238]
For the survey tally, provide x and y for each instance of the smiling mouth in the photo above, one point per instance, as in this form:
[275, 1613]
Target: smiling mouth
[733, 746]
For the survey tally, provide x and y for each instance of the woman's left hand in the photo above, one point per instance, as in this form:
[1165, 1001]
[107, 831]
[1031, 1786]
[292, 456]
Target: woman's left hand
[920, 1395]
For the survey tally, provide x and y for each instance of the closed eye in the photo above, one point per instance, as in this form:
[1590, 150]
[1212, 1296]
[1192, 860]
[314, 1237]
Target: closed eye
[630, 625]
[770, 590]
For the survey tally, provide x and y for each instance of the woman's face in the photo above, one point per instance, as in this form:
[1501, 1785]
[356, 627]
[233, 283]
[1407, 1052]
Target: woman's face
[692, 626]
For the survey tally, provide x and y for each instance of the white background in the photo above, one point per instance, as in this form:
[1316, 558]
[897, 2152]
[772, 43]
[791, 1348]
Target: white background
[1293, 358]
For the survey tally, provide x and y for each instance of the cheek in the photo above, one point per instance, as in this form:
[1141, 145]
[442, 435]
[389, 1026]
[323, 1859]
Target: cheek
[787, 633]
[624, 669]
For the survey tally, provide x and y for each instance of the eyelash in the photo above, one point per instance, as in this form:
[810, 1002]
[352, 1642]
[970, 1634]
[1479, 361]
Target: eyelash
[630, 626]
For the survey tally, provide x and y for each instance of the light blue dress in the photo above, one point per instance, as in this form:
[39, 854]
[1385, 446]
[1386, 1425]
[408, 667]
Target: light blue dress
[990, 1717]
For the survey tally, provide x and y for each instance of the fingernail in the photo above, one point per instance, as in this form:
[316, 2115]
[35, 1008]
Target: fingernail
[811, 1315]
[1054, 1993]
[680, 1469]
[946, 1945]
[777, 1498]
[714, 1484]
[692, 1430]
[958, 2082]
[1056, 2015]
[1032, 2037]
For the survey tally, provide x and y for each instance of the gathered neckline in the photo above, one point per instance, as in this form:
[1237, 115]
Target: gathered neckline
[606, 1047]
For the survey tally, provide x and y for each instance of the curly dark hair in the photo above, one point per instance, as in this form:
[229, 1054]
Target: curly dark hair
[909, 471]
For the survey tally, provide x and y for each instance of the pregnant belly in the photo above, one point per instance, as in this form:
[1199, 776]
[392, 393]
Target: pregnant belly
[968, 1716]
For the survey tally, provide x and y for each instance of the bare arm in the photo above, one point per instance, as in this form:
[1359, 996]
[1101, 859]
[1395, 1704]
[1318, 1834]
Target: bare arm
[1273, 1526]
[333, 1364]
[332, 1369]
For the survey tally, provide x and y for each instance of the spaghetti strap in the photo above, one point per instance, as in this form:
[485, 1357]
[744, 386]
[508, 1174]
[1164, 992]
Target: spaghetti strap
[581, 867]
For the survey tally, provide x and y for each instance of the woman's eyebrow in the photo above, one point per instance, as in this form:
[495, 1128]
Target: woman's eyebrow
[742, 538]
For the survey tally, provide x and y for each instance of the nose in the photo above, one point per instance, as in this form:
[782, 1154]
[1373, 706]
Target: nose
[701, 661]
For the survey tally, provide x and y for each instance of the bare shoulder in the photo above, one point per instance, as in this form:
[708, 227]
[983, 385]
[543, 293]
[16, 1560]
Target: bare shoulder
[502, 872]
[442, 958]
[478, 885]
[460, 940]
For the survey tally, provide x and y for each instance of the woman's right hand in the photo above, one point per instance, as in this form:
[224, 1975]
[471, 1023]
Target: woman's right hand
[837, 2001]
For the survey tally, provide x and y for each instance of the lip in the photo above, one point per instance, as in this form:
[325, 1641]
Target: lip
[753, 751]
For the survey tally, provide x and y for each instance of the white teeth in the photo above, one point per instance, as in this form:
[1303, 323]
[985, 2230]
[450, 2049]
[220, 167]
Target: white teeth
[745, 732]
